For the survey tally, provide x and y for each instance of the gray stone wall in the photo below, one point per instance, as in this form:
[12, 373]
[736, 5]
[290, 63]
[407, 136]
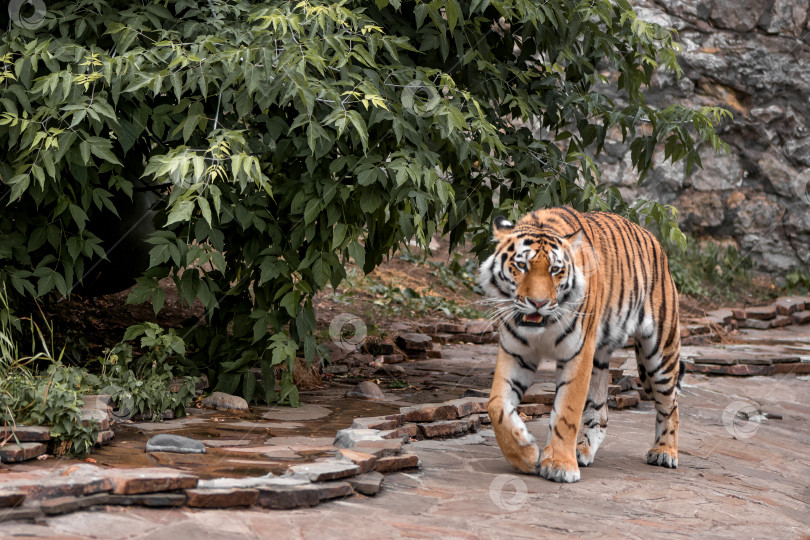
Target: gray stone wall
[753, 58]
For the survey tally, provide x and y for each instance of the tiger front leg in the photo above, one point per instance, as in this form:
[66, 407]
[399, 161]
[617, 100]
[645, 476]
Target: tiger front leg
[558, 461]
[513, 376]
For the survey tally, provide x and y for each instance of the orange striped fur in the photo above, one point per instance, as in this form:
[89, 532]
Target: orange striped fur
[572, 287]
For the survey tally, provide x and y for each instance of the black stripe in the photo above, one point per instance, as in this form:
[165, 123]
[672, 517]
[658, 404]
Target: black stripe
[523, 363]
[512, 331]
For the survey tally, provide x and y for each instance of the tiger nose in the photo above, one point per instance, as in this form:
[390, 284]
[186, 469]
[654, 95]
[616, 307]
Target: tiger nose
[537, 303]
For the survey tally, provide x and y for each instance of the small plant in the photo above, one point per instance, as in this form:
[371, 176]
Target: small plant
[709, 269]
[142, 385]
[797, 281]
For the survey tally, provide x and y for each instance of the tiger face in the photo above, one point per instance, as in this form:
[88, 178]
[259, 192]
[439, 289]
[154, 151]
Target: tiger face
[536, 269]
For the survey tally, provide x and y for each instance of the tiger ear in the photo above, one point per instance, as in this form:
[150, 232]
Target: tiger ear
[501, 227]
[575, 240]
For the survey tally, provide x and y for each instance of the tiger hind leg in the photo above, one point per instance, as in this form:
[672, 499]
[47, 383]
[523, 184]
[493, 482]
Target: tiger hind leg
[595, 415]
[660, 371]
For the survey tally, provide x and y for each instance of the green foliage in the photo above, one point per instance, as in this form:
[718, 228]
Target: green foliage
[142, 385]
[798, 281]
[53, 397]
[287, 137]
[709, 269]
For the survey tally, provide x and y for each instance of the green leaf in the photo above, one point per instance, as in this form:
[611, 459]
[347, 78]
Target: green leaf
[180, 212]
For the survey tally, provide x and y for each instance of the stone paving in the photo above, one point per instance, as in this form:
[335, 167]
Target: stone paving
[744, 465]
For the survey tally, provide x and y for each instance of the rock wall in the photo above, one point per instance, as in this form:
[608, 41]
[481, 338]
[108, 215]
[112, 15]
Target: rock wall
[753, 58]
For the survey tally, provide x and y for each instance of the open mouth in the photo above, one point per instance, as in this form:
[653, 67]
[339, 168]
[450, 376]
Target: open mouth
[530, 319]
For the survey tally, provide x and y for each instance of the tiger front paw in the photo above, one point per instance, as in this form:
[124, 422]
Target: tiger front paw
[584, 454]
[558, 467]
[663, 457]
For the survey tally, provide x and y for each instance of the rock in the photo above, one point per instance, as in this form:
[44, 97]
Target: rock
[283, 498]
[11, 498]
[13, 453]
[720, 316]
[393, 358]
[149, 480]
[366, 390]
[781, 320]
[365, 462]
[397, 463]
[739, 314]
[614, 389]
[104, 437]
[221, 498]
[166, 442]
[764, 313]
[334, 490]
[802, 317]
[102, 418]
[447, 428]
[479, 327]
[469, 405]
[754, 323]
[336, 369]
[412, 340]
[429, 412]
[321, 471]
[348, 438]
[153, 500]
[720, 171]
[717, 359]
[450, 328]
[406, 431]
[472, 392]
[625, 400]
[307, 411]
[382, 448]
[534, 409]
[378, 422]
[789, 305]
[700, 210]
[377, 348]
[221, 401]
[537, 394]
[367, 484]
[26, 433]
[60, 505]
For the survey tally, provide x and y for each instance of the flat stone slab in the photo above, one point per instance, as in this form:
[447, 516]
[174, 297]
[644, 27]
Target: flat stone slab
[307, 411]
[412, 340]
[14, 453]
[221, 498]
[321, 471]
[378, 422]
[25, 433]
[449, 428]
[538, 394]
[287, 497]
[764, 313]
[365, 462]
[102, 418]
[469, 405]
[266, 481]
[11, 498]
[625, 400]
[382, 448]
[367, 484]
[149, 480]
[397, 463]
[334, 490]
[167, 442]
[534, 409]
[348, 438]
[429, 412]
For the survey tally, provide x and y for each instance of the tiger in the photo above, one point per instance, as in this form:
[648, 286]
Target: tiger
[572, 287]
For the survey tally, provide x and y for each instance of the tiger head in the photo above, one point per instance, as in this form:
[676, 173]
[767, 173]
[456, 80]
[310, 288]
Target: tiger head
[536, 268]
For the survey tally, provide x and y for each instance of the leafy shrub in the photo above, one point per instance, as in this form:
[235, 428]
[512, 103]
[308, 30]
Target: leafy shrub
[284, 137]
[708, 268]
